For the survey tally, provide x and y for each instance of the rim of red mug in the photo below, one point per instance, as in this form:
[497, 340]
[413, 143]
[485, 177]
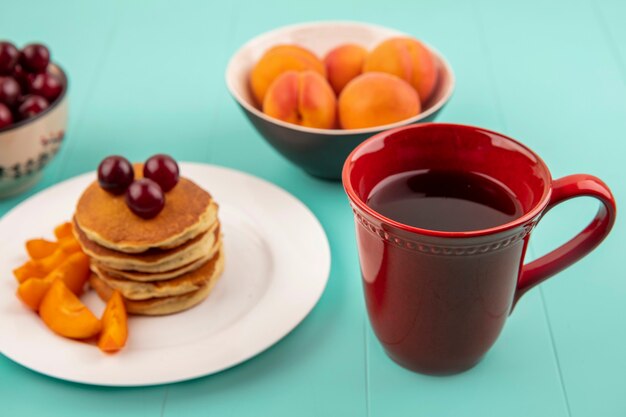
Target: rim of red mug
[527, 216]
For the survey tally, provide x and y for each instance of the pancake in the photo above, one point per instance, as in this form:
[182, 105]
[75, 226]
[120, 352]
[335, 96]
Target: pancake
[164, 305]
[153, 260]
[189, 282]
[155, 276]
[106, 219]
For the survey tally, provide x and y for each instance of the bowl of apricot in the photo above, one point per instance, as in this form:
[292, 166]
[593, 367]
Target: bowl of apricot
[314, 91]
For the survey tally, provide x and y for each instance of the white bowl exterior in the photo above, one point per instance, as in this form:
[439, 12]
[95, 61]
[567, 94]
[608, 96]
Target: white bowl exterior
[25, 150]
[320, 38]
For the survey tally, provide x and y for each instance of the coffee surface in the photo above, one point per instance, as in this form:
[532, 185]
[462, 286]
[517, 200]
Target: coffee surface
[450, 201]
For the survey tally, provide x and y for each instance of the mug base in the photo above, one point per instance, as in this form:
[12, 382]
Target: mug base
[433, 369]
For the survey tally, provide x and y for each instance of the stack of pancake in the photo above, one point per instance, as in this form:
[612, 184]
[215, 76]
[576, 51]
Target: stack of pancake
[160, 266]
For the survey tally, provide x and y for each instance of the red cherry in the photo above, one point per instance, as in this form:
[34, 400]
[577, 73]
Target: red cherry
[163, 170]
[9, 55]
[6, 118]
[115, 174]
[31, 106]
[22, 77]
[145, 198]
[9, 91]
[46, 85]
[35, 57]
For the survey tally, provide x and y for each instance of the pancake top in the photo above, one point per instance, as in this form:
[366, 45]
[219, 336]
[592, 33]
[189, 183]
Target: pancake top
[106, 219]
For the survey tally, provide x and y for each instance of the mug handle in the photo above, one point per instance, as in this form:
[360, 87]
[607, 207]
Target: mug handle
[563, 189]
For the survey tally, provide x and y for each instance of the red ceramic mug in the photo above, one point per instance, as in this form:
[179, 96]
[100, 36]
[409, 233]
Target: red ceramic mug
[436, 300]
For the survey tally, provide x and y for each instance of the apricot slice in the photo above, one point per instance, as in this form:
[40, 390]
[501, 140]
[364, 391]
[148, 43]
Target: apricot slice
[39, 268]
[114, 325]
[32, 291]
[30, 269]
[40, 248]
[70, 245]
[64, 230]
[49, 263]
[66, 315]
[74, 272]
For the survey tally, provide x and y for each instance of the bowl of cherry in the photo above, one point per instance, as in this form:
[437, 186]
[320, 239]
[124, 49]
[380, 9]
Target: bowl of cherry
[33, 114]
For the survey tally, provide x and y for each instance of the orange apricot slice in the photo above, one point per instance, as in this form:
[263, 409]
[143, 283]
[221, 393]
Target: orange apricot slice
[30, 269]
[32, 291]
[40, 248]
[49, 263]
[39, 268]
[63, 230]
[74, 272]
[66, 315]
[114, 325]
[70, 245]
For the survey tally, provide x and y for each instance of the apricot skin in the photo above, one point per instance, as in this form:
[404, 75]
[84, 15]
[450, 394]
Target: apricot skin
[278, 60]
[344, 63]
[376, 99]
[302, 98]
[408, 59]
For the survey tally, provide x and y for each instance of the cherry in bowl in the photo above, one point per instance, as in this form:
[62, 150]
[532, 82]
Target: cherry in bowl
[9, 55]
[10, 91]
[35, 57]
[46, 85]
[6, 118]
[31, 106]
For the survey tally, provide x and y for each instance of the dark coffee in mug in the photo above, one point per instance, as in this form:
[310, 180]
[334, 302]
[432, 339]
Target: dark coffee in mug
[448, 201]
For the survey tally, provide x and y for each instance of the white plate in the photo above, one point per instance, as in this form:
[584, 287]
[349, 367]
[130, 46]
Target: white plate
[277, 265]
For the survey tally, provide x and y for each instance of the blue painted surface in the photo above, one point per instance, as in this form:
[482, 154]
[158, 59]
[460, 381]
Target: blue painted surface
[147, 76]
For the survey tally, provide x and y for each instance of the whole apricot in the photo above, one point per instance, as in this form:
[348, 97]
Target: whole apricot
[302, 98]
[408, 59]
[276, 61]
[344, 63]
[376, 99]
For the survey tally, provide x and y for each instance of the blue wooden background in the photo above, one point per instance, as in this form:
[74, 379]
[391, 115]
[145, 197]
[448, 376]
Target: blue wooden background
[147, 76]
